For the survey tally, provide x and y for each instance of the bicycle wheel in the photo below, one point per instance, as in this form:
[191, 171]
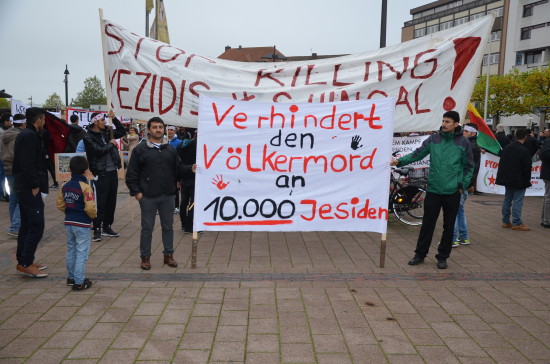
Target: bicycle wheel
[408, 205]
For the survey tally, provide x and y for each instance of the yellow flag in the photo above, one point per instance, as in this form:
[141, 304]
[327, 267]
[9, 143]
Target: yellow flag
[159, 29]
[149, 5]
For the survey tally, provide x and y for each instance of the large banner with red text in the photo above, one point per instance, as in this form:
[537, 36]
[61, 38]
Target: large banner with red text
[293, 167]
[426, 76]
[486, 178]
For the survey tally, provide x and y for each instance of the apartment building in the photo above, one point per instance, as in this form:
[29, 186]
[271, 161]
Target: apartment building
[520, 37]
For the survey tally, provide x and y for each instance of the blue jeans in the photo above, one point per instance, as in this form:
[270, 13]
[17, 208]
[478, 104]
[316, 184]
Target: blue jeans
[513, 198]
[461, 226]
[78, 245]
[15, 216]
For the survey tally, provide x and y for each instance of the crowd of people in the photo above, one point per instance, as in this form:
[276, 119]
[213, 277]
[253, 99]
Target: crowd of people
[454, 162]
[160, 175]
[155, 176]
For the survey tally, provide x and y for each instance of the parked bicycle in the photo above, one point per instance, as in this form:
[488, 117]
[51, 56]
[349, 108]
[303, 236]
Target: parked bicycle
[406, 199]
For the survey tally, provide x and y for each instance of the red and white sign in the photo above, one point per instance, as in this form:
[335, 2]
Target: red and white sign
[293, 167]
[425, 76]
[486, 178]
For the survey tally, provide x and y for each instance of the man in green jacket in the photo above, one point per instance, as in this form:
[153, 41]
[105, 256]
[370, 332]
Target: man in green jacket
[451, 169]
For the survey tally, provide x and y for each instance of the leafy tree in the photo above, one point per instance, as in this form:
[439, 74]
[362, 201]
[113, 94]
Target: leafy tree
[505, 95]
[536, 89]
[93, 93]
[5, 103]
[54, 101]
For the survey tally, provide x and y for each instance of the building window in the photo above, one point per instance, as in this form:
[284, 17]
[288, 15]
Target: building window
[526, 32]
[533, 57]
[528, 9]
[432, 29]
[455, 4]
[477, 16]
[460, 21]
[498, 12]
[519, 58]
[495, 36]
[494, 58]
[419, 32]
[446, 25]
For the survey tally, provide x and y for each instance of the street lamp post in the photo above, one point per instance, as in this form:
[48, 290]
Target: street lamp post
[66, 81]
[30, 99]
[383, 20]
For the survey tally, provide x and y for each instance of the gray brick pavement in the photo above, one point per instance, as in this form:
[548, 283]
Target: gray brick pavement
[285, 297]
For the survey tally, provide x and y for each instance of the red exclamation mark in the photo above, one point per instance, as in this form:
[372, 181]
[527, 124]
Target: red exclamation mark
[465, 49]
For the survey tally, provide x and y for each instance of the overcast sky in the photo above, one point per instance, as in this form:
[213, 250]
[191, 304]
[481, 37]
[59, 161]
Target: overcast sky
[39, 37]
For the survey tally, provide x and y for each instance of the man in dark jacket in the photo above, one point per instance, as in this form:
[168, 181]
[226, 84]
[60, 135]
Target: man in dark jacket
[545, 176]
[514, 173]
[152, 174]
[531, 143]
[8, 147]
[104, 159]
[451, 169]
[501, 136]
[31, 184]
[76, 134]
[188, 155]
[460, 235]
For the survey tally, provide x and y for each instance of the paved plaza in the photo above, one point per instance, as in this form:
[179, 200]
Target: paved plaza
[316, 297]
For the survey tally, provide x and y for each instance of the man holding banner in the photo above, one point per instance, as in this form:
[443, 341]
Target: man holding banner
[451, 169]
[104, 160]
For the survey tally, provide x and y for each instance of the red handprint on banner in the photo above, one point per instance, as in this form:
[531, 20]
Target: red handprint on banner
[218, 181]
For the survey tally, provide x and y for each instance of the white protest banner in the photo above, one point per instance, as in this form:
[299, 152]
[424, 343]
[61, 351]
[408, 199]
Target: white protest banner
[85, 116]
[406, 145]
[293, 167]
[17, 107]
[425, 76]
[487, 176]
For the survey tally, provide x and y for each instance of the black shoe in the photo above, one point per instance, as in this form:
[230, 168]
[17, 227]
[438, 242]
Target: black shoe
[97, 235]
[541, 224]
[107, 231]
[416, 260]
[70, 282]
[442, 264]
[85, 285]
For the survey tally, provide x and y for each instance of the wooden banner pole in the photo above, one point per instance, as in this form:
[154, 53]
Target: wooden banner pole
[194, 249]
[383, 251]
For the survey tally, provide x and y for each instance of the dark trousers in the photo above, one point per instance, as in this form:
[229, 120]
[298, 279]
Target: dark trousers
[51, 169]
[31, 230]
[187, 204]
[105, 188]
[177, 196]
[432, 206]
[164, 205]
